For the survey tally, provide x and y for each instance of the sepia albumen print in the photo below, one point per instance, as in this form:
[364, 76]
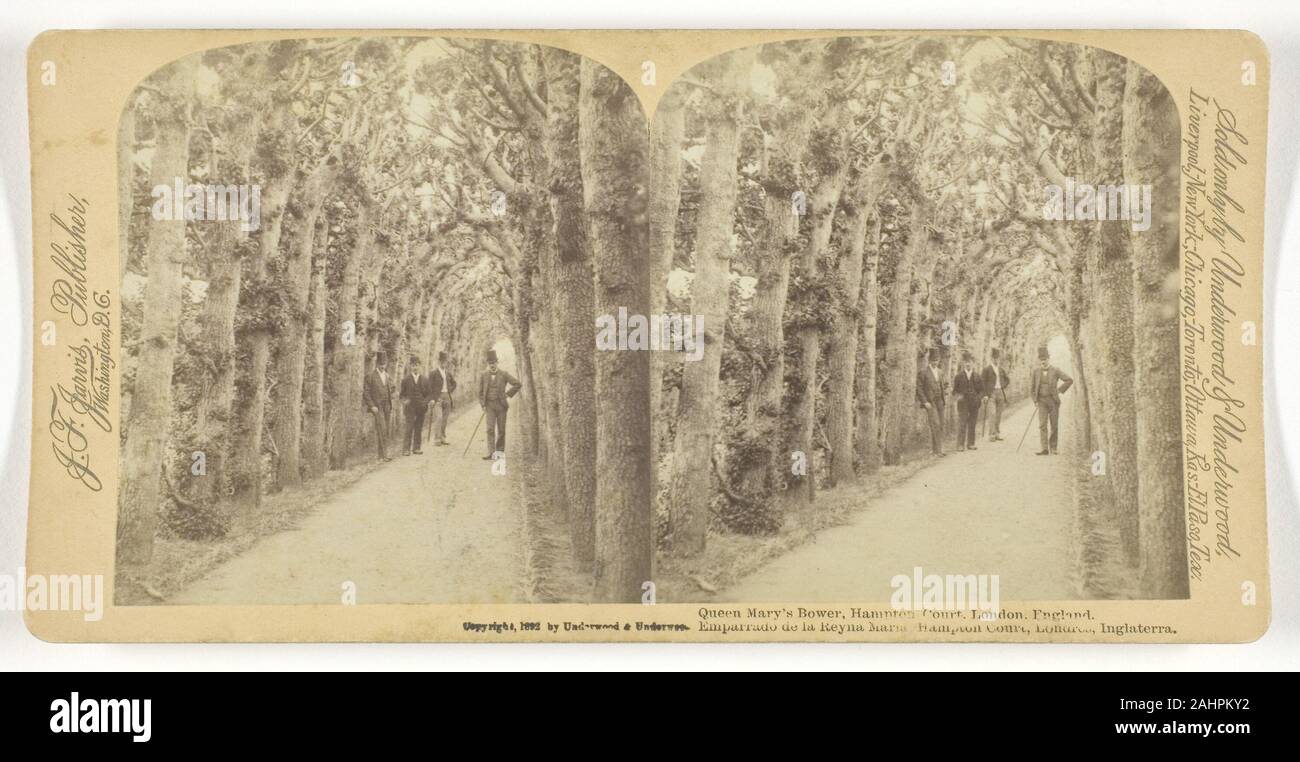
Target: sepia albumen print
[439, 320]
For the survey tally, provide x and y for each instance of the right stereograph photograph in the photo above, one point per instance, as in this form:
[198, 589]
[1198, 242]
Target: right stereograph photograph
[938, 279]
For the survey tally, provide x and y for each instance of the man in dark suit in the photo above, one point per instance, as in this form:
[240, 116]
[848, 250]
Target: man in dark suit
[495, 386]
[1046, 386]
[994, 381]
[378, 399]
[930, 396]
[966, 390]
[415, 400]
[441, 385]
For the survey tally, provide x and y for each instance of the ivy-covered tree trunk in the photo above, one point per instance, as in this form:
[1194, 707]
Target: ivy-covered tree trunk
[667, 135]
[292, 351]
[214, 408]
[761, 464]
[691, 488]
[833, 170]
[868, 433]
[313, 404]
[900, 360]
[253, 396]
[843, 353]
[347, 362]
[146, 450]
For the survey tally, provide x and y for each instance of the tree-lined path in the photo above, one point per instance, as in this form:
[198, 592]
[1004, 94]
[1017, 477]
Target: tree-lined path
[828, 213]
[991, 511]
[431, 528]
[440, 528]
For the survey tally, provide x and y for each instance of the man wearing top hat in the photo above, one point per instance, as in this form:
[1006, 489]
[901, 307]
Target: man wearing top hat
[966, 390]
[495, 386]
[1046, 386]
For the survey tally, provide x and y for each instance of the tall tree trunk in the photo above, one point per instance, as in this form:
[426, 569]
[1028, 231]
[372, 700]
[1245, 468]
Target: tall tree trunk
[521, 292]
[214, 410]
[528, 398]
[825, 200]
[216, 326]
[1112, 305]
[1076, 309]
[401, 351]
[860, 209]
[980, 346]
[426, 350]
[548, 390]
[919, 330]
[764, 469]
[548, 405]
[146, 449]
[900, 361]
[313, 407]
[125, 184]
[246, 465]
[373, 330]
[868, 419]
[247, 461]
[539, 235]
[292, 353]
[1151, 155]
[614, 148]
[843, 353]
[348, 360]
[569, 262]
[667, 133]
[691, 491]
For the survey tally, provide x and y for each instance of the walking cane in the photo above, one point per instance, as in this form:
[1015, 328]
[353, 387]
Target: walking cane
[1031, 423]
[984, 415]
[471, 436]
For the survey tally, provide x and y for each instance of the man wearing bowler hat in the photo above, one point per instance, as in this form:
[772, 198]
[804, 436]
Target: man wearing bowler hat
[495, 386]
[1046, 386]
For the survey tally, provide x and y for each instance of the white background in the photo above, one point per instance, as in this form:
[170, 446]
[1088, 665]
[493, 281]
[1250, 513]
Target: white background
[1278, 24]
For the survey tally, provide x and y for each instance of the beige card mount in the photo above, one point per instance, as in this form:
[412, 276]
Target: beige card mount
[696, 336]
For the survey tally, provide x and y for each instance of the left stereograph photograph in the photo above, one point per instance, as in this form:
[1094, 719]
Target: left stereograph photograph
[333, 255]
